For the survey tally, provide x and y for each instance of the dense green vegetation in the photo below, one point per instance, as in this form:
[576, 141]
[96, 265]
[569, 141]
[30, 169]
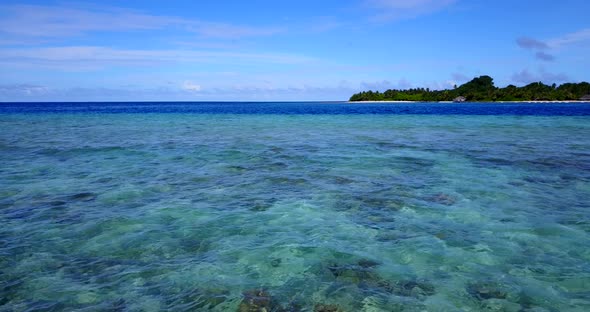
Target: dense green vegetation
[482, 89]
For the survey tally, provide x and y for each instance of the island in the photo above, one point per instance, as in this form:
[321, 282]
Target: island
[482, 89]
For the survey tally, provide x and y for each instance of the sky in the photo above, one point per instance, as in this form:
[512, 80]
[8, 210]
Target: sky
[302, 50]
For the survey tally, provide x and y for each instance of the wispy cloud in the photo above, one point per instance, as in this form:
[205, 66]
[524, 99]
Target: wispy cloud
[188, 90]
[238, 92]
[93, 57]
[322, 24]
[389, 10]
[571, 38]
[544, 56]
[377, 86]
[541, 46]
[459, 77]
[191, 86]
[579, 36]
[535, 45]
[220, 30]
[39, 21]
[531, 44]
[525, 76]
[23, 89]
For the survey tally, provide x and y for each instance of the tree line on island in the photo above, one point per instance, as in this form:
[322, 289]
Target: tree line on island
[482, 89]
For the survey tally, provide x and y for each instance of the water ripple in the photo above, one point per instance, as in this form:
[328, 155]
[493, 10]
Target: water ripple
[294, 212]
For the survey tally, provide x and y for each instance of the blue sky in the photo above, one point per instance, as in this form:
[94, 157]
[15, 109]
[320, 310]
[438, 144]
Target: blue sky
[282, 50]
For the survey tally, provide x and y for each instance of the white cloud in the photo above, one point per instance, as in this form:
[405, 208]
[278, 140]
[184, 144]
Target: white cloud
[403, 9]
[459, 77]
[555, 43]
[531, 44]
[41, 21]
[552, 45]
[544, 56]
[93, 57]
[191, 86]
[404, 84]
[525, 76]
[440, 85]
[571, 38]
[322, 24]
[23, 90]
[377, 86]
[188, 90]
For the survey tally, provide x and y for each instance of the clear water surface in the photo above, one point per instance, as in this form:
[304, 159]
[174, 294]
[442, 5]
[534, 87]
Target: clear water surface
[294, 207]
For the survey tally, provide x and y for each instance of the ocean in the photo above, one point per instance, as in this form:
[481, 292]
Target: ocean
[294, 207]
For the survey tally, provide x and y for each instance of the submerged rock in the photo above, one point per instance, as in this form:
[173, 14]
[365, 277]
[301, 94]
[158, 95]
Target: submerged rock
[342, 180]
[290, 307]
[213, 299]
[275, 262]
[118, 305]
[487, 290]
[366, 279]
[367, 263]
[501, 305]
[276, 149]
[43, 305]
[354, 274]
[86, 196]
[259, 205]
[256, 300]
[234, 168]
[327, 308]
[347, 205]
[413, 288]
[288, 181]
[542, 180]
[197, 299]
[406, 288]
[194, 245]
[380, 202]
[443, 199]
[390, 145]
[457, 238]
[9, 289]
[57, 203]
[528, 303]
[275, 166]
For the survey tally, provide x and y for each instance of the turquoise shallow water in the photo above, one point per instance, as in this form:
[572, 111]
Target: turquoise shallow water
[226, 212]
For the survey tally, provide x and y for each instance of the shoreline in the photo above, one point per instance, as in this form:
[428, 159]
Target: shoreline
[451, 102]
